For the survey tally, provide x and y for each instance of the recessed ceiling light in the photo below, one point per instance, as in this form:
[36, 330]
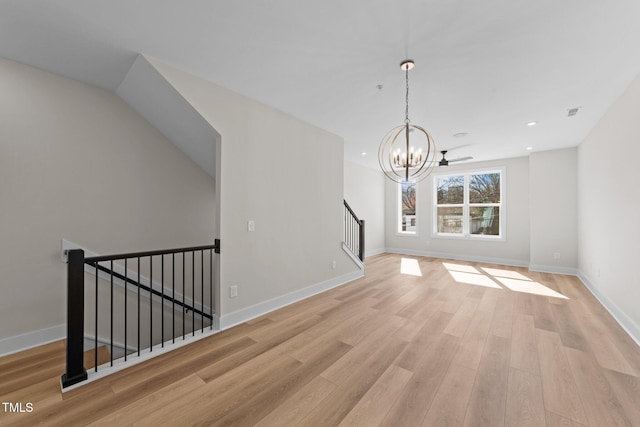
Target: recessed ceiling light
[529, 148]
[460, 134]
[363, 154]
[532, 123]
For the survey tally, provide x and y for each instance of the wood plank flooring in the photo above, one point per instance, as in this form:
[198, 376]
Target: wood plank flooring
[389, 349]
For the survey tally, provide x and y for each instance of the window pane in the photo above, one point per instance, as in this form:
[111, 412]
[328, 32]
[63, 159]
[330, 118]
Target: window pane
[484, 188]
[450, 190]
[485, 220]
[408, 208]
[450, 220]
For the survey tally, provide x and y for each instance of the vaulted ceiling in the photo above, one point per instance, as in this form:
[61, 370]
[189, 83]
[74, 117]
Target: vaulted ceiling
[484, 68]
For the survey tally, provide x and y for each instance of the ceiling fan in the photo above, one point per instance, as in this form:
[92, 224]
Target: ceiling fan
[445, 162]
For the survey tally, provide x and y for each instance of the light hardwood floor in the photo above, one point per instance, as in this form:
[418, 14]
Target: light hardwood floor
[390, 349]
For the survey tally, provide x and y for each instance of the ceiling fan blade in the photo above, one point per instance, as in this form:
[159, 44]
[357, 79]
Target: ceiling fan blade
[457, 147]
[461, 159]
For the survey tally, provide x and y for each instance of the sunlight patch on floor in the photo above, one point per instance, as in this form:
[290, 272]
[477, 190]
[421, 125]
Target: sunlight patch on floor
[509, 274]
[488, 277]
[473, 279]
[460, 267]
[529, 287]
[410, 266]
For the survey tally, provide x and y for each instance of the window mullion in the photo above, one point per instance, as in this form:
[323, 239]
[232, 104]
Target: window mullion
[465, 208]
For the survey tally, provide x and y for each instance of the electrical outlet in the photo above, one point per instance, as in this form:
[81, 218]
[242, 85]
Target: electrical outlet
[334, 264]
[233, 291]
[251, 225]
[556, 255]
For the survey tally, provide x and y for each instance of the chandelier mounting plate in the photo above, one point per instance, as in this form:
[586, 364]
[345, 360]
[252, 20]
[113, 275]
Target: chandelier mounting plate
[407, 65]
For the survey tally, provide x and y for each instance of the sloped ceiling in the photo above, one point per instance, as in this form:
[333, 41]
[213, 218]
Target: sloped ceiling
[483, 68]
[147, 92]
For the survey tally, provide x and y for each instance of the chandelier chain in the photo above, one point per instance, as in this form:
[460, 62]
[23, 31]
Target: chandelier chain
[406, 101]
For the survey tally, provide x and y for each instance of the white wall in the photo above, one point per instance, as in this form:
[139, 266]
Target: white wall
[609, 208]
[77, 163]
[553, 190]
[514, 250]
[364, 191]
[284, 174]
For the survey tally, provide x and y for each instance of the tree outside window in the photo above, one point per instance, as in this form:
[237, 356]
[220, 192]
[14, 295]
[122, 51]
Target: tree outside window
[407, 216]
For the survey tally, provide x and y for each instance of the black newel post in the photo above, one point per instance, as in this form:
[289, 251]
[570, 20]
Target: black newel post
[361, 243]
[75, 319]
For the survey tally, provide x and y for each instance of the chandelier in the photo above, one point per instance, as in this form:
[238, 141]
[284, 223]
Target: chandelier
[407, 152]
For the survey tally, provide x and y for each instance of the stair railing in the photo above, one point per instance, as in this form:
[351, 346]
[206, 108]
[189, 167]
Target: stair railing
[353, 232]
[131, 271]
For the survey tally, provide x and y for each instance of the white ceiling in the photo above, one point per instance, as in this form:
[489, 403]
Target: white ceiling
[482, 67]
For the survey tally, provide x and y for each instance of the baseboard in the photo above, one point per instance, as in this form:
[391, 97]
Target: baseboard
[444, 255]
[569, 271]
[237, 317]
[629, 326]
[147, 354]
[33, 339]
[374, 252]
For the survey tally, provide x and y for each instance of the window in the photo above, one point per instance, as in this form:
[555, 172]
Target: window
[469, 205]
[407, 207]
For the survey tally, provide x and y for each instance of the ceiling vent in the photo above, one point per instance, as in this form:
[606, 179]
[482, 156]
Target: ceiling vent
[573, 111]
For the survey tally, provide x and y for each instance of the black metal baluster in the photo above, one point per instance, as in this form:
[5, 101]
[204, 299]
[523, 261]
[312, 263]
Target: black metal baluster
[201, 291]
[111, 307]
[95, 348]
[173, 298]
[184, 325]
[211, 289]
[151, 304]
[162, 301]
[138, 307]
[193, 293]
[125, 309]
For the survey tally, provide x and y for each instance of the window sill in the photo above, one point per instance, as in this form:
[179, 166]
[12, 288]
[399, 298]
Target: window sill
[469, 237]
[406, 234]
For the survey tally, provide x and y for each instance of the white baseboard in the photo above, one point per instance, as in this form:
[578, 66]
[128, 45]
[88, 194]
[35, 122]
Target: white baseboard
[569, 271]
[629, 326]
[232, 319]
[32, 339]
[459, 257]
[147, 354]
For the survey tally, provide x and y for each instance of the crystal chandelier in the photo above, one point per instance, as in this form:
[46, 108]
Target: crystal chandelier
[407, 152]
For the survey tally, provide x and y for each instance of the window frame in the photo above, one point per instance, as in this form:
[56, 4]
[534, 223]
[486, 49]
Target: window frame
[399, 231]
[467, 205]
